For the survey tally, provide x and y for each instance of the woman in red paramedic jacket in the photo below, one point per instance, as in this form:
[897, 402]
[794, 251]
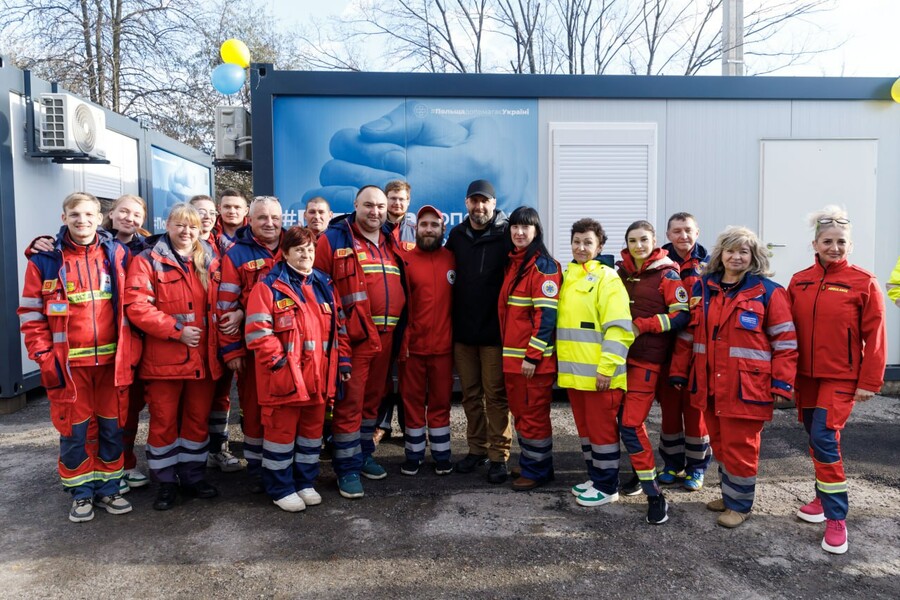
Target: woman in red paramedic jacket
[839, 313]
[166, 297]
[738, 353]
[527, 308]
[301, 352]
[659, 306]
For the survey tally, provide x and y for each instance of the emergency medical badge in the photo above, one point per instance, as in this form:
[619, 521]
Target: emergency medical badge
[549, 288]
[681, 294]
[749, 320]
[451, 276]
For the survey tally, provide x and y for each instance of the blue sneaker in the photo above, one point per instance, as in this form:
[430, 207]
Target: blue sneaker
[693, 481]
[350, 486]
[372, 470]
[667, 476]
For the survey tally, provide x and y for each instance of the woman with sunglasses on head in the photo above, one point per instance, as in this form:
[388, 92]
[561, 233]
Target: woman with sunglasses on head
[838, 310]
[737, 355]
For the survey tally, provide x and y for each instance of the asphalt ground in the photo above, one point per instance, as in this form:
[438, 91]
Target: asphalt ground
[455, 536]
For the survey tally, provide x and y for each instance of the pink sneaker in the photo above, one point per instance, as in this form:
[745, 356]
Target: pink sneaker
[835, 540]
[812, 512]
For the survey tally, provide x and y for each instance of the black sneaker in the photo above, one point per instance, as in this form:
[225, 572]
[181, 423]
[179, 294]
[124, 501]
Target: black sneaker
[497, 472]
[165, 496]
[657, 510]
[200, 489]
[632, 487]
[443, 467]
[410, 467]
[471, 462]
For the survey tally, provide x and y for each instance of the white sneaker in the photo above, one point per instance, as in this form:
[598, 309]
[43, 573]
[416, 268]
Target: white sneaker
[225, 461]
[290, 503]
[135, 478]
[124, 488]
[310, 496]
[580, 488]
[82, 510]
[594, 497]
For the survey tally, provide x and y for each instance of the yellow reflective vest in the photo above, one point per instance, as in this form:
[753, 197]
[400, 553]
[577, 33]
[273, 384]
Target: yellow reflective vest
[893, 285]
[593, 330]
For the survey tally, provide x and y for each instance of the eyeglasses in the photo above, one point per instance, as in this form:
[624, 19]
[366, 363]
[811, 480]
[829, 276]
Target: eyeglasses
[207, 213]
[830, 220]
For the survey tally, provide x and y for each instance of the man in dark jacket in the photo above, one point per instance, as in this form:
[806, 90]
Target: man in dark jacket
[481, 244]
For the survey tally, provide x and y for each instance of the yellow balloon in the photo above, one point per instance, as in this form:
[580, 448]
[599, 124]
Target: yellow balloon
[235, 52]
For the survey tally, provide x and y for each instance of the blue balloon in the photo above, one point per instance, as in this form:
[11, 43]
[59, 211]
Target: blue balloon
[228, 78]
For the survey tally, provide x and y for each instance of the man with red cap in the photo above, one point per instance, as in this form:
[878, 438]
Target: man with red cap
[426, 375]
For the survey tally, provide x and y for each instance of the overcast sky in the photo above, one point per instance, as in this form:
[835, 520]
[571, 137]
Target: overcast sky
[871, 29]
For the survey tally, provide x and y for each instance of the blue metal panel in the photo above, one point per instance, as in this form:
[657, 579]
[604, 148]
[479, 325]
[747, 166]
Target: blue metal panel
[479, 85]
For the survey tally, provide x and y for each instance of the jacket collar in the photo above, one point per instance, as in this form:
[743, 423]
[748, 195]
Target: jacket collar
[698, 253]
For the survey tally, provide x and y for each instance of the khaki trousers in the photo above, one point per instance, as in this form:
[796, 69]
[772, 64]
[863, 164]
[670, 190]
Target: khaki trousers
[480, 370]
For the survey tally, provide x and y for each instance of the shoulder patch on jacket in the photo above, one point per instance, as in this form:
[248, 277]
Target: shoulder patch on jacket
[549, 288]
[681, 294]
[342, 252]
[49, 285]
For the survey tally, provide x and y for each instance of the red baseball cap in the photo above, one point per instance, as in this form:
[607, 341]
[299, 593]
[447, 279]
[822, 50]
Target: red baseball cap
[429, 209]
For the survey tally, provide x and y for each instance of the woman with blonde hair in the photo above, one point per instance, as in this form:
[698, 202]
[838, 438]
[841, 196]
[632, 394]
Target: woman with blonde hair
[737, 355]
[125, 220]
[839, 313]
[166, 297]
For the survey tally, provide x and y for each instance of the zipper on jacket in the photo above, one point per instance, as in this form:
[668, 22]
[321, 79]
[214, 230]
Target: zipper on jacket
[849, 348]
[812, 337]
[87, 267]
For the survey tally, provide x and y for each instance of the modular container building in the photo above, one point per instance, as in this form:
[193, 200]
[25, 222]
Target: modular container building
[127, 158]
[756, 151]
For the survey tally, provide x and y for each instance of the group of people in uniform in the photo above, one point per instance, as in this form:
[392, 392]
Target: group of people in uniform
[313, 321]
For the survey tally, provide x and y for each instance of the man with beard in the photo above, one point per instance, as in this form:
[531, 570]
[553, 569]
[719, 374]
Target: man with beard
[426, 360]
[481, 244]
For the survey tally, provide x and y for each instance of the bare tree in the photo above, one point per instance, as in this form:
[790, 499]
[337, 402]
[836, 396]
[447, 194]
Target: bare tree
[570, 36]
[114, 52]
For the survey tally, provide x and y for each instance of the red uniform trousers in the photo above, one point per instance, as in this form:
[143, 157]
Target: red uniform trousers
[251, 418]
[136, 404]
[735, 444]
[354, 416]
[683, 438]
[427, 381]
[291, 445]
[178, 441]
[529, 403]
[633, 430]
[595, 416]
[218, 414]
[89, 469]
[823, 406]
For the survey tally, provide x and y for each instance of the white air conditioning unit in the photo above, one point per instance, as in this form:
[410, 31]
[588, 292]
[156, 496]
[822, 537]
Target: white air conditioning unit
[69, 125]
[233, 139]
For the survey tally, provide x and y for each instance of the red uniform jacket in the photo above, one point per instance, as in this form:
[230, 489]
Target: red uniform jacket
[527, 312]
[72, 312]
[245, 263]
[367, 278]
[839, 314]
[429, 281]
[161, 297]
[295, 329]
[659, 305]
[740, 347]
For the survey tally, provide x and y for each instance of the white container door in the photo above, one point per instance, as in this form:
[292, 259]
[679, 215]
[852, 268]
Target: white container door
[802, 176]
